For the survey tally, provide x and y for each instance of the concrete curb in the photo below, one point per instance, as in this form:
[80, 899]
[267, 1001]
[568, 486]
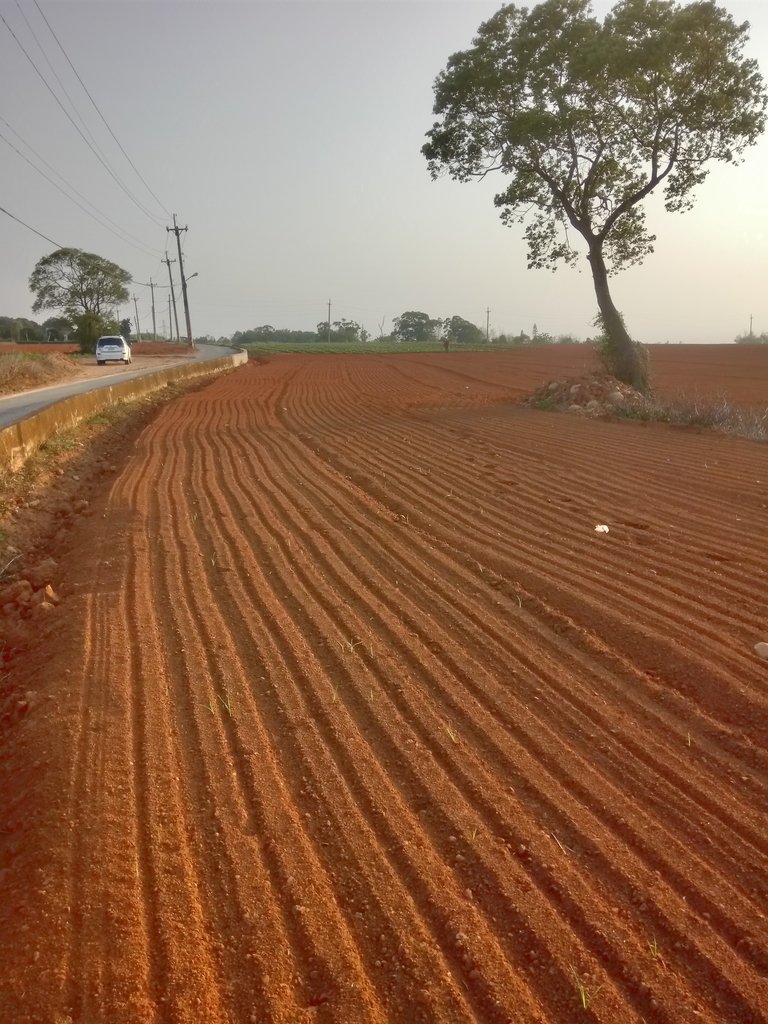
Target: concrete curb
[19, 440]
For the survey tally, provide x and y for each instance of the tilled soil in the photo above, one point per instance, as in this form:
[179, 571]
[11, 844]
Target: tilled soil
[348, 714]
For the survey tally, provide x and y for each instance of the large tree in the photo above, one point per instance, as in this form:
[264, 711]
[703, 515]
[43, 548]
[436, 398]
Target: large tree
[415, 326]
[461, 330]
[78, 283]
[588, 118]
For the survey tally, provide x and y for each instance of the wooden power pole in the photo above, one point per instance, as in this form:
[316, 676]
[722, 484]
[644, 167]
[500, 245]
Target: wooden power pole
[173, 294]
[154, 322]
[138, 325]
[177, 231]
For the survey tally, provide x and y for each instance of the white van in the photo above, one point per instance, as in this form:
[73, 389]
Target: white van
[112, 347]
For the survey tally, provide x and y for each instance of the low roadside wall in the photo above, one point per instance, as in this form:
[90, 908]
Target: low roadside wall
[18, 441]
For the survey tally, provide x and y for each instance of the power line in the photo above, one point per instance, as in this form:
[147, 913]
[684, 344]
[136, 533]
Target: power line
[77, 128]
[13, 217]
[119, 233]
[56, 76]
[98, 110]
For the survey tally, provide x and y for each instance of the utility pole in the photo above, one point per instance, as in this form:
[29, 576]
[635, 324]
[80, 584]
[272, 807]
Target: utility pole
[177, 231]
[138, 325]
[750, 325]
[329, 322]
[170, 322]
[173, 296]
[154, 322]
[487, 325]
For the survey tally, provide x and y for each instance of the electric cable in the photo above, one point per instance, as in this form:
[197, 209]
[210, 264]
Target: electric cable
[14, 217]
[123, 236]
[77, 128]
[98, 111]
[63, 88]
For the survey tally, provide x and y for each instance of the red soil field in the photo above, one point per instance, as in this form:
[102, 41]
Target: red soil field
[39, 348]
[348, 715]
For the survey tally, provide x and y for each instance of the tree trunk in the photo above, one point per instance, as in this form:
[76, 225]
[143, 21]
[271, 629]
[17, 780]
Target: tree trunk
[625, 356]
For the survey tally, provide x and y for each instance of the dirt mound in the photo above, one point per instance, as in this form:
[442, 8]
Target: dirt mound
[595, 393]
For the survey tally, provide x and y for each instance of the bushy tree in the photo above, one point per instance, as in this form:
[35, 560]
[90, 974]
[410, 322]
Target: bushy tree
[78, 283]
[415, 326]
[267, 332]
[89, 327]
[342, 330]
[588, 118]
[456, 328]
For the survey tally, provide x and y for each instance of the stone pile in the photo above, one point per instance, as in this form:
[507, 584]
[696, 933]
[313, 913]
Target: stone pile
[598, 394]
[29, 597]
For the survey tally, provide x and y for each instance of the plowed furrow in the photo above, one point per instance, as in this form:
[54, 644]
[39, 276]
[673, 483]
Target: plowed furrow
[593, 593]
[296, 670]
[533, 513]
[211, 660]
[463, 583]
[337, 588]
[105, 801]
[369, 725]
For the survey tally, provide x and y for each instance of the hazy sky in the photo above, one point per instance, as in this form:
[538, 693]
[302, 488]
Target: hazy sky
[287, 136]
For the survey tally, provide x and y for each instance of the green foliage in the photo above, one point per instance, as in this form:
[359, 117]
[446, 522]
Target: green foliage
[342, 331]
[416, 327]
[89, 327]
[465, 333]
[125, 328]
[587, 119]
[267, 333]
[78, 283]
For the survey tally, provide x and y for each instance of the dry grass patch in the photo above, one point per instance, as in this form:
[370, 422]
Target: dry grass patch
[716, 414]
[20, 371]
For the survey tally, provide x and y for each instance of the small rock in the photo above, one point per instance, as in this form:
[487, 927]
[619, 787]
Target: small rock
[42, 573]
[614, 398]
[575, 408]
[761, 650]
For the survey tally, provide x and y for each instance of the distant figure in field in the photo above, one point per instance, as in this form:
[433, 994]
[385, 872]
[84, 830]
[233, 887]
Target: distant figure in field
[446, 343]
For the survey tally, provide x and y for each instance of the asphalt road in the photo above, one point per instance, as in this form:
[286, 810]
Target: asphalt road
[27, 403]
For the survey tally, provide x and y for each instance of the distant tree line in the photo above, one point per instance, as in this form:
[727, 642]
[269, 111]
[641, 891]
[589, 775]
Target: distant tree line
[751, 339]
[20, 329]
